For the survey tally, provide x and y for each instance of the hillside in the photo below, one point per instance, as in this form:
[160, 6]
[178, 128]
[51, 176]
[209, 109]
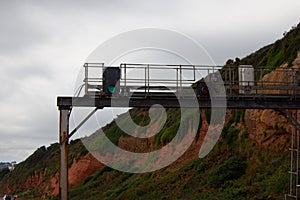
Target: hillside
[250, 161]
[284, 50]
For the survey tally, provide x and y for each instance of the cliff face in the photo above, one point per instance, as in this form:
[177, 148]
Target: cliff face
[84, 167]
[78, 171]
[269, 128]
[35, 181]
[45, 182]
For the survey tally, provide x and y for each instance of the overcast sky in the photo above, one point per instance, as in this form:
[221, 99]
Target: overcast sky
[43, 45]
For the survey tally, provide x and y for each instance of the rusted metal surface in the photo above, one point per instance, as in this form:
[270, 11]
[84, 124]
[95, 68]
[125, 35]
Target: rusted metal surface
[63, 143]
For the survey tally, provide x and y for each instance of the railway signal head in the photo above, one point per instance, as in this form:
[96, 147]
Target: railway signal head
[202, 89]
[111, 80]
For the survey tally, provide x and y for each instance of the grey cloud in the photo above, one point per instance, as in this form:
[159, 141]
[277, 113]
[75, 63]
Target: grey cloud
[32, 70]
[12, 149]
[17, 33]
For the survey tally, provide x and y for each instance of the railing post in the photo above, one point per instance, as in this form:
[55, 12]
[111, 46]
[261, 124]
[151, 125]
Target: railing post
[63, 145]
[86, 77]
[177, 80]
[230, 81]
[125, 80]
[180, 80]
[148, 71]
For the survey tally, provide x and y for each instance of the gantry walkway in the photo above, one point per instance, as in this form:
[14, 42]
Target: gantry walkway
[143, 85]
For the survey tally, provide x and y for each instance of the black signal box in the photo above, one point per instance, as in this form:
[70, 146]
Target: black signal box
[111, 80]
[202, 89]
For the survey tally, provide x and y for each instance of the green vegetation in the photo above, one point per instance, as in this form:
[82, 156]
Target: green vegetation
[238, 115]
[170, 129]
[3, 172]
[231, 169]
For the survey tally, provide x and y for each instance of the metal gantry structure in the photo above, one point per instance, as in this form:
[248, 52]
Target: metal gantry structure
[143, 85]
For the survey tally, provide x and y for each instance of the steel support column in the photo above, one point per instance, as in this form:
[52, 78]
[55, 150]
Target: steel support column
[293, 118]
[63, 141]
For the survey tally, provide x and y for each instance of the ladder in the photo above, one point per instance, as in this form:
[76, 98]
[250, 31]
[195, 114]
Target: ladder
[294, 149]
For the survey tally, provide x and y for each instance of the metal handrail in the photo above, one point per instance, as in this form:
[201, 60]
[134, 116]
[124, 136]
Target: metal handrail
[178, 81]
